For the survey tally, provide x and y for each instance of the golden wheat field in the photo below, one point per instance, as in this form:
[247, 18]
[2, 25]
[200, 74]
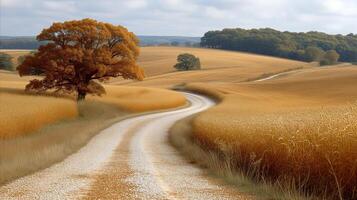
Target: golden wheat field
[140, 99]
[160, 60]
[22, 113]
[217, 66]
[299, 129]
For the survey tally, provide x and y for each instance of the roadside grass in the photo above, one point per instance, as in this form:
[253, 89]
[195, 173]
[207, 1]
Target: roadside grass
[221, 166]
[23, 113]
[53, 143]
[40, 130]
[315, 150]
[273, 136]
[141, 99]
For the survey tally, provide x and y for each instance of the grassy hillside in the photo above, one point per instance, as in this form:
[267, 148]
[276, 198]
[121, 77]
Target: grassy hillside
[18, 107]
[40, 130]
[264, 129]
[160, 60]
[22, 114]
[217, 66]
[267, 129]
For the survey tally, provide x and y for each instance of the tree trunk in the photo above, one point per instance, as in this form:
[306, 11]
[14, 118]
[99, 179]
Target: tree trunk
[81, 95]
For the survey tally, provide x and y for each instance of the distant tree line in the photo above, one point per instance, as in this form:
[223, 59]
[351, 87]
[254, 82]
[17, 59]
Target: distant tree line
[31, 42]
[20, 43]
[310, 46]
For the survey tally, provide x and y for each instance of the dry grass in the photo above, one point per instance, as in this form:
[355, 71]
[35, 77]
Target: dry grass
[221, 165]
[160, 60]
[22, 114]
[141, 99]
[273, 130]
[53, 143]
[48, 132]
[292, 130]
[217, 66]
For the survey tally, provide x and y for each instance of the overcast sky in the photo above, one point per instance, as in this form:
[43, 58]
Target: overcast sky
[182, 17]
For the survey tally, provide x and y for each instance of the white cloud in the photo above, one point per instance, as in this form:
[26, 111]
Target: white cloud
[9, 3]
[215, 13]
[4, 4]
[339, 7]
[182, 17]
[59, 6]
[136, 4]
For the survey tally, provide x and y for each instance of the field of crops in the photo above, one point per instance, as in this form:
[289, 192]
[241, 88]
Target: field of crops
[160, 61]
[22, 113]
[217, 66]
[299, 130]
[140, 99]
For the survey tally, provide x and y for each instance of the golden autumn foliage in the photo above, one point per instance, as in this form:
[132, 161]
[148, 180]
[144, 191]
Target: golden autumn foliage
[80, 52]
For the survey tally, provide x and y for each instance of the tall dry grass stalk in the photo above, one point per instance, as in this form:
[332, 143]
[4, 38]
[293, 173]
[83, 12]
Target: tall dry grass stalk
[314, 151]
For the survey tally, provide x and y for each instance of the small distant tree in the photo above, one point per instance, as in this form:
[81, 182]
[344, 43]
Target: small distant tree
[187, 61]
[5, 61]
[80, 54]
[164, 44]
[188, 44]
[197, 44]
[175, 43]
[331, 57]
[313, 54]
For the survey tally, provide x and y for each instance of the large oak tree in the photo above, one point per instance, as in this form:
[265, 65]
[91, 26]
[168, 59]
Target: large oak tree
[79, 54]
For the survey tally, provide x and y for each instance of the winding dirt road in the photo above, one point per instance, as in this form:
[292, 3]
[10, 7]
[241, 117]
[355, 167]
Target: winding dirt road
[132, 159]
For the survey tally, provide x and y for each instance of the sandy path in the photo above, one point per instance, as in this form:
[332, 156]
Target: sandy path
[277, 75]
[129, 160]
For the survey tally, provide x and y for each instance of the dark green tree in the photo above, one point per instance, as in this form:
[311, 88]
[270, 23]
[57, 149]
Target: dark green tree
[187, 61]
[286, 44]
[313, 54]
[330, 58]
[5, 61]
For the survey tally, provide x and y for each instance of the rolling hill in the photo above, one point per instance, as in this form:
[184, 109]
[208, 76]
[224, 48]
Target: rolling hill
[310, 106]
